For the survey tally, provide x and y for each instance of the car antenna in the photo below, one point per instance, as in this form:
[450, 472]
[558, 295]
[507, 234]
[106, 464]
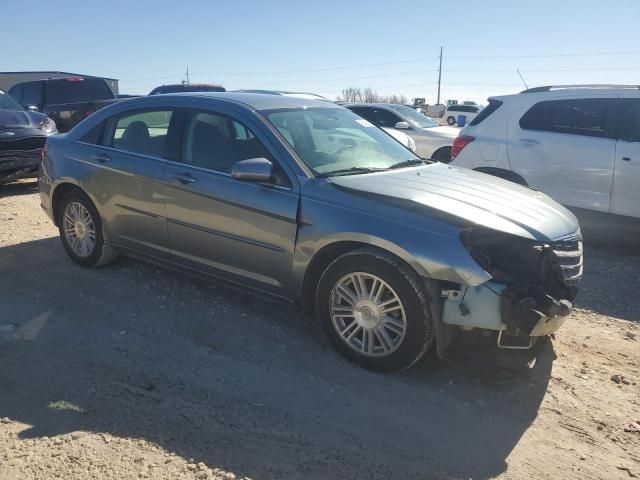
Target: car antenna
[522, 78]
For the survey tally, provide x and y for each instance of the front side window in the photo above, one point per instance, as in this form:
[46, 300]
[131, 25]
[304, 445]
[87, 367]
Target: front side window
[337, 141]
[217, 141]
[144, 132]
[586, 117]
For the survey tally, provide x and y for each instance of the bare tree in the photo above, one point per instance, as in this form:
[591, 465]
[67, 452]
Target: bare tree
[368, 95]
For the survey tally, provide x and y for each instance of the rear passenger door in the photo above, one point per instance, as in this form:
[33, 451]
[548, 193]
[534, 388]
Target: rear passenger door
[239, 230]
[625, 197]
[565, 148]
[128, 157]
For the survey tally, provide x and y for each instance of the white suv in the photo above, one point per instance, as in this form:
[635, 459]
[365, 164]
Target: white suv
[578, 144]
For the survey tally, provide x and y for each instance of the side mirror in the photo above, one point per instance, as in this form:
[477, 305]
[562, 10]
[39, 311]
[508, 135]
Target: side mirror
[402, 126]
[32, 108]
[253, 170]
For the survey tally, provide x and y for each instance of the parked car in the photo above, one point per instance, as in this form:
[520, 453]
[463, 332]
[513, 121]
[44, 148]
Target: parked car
[22, 136]
[452, 111]
[187, 87]
[578, 144]
[432, 140]
[304, 200]
[66, 101]
[401, 137]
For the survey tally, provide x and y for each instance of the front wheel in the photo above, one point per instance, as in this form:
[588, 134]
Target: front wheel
[374, 311]
[451, 121]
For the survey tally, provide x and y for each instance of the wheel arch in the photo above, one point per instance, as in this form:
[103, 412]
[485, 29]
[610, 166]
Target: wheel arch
[334, 249]
[59, 191]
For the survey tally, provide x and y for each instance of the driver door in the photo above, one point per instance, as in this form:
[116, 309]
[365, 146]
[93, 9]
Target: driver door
[242, 231]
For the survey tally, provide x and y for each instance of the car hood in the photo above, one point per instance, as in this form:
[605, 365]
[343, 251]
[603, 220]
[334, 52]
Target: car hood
[474, 197]
[20, 119]
[446, 132]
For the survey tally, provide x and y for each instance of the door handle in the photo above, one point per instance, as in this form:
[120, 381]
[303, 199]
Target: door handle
[529, 141]
[626, 159]
[101, 157]
[185, 178]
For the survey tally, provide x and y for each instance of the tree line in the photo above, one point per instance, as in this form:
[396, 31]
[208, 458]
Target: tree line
[368, 95]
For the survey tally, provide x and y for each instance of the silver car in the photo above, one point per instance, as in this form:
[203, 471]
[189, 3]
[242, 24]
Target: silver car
[309, 202]
[431, 140]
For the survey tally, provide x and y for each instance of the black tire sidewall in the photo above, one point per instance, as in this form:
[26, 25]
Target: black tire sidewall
[419, 335]
[451, 123]
[78, 196]
[443, 155]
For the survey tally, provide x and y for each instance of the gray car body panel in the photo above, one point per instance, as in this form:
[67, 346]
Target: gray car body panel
[266, 236]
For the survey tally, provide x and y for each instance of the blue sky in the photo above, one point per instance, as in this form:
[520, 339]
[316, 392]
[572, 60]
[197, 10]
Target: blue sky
[326, 45]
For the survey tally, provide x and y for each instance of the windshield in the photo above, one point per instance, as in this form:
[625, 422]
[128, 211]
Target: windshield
[8, 103]
[337, 141]
[416, 119]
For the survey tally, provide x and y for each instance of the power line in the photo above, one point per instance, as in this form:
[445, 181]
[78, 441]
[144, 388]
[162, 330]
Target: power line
[555, 55]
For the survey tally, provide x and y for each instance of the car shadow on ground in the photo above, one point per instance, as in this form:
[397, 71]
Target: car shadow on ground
[235, 381]
[24, 187]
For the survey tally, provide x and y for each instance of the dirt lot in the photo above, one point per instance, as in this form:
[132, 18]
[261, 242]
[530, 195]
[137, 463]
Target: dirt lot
[134, 372]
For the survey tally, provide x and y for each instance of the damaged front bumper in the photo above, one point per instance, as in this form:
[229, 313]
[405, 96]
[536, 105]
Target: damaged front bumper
[20, 158]
[531, 294]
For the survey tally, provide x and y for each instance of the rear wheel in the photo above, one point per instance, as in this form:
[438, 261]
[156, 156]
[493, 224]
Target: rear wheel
[451, 121]
[374, 311]
[443, 155]
[81, 231]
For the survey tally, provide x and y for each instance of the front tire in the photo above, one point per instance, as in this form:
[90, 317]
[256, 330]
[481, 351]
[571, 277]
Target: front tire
[81, 231]
[374, 311]
[451, 121]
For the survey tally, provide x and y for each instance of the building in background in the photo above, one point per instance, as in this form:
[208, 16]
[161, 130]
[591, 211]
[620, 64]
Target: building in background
[9, 79]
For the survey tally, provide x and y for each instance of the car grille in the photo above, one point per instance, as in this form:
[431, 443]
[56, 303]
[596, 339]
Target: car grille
[569, 261]
[22, 144]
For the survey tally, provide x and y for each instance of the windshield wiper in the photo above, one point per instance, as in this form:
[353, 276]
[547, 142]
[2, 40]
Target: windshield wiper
[408, 163]
[351, 171]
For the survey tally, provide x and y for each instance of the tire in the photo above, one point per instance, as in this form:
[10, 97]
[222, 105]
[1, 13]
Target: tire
[451, 121]
[443, 155]
[76, 205]
[393, 348]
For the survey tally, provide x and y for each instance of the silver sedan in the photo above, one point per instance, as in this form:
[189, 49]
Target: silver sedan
[309, 202]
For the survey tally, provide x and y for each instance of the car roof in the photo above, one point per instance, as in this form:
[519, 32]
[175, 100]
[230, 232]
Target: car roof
[253, 101]
[552, 91]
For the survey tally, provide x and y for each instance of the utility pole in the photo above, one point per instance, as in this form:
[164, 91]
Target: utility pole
[187, 74]
[439, 77]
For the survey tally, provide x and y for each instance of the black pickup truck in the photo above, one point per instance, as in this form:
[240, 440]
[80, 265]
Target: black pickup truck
[66, 101]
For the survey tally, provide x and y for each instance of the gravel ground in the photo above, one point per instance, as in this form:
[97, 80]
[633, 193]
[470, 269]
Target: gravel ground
[130, 371]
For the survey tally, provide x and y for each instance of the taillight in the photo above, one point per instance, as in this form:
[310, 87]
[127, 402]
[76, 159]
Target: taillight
[459, 143]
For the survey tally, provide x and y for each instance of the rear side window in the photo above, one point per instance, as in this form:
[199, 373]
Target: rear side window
[629, 119]
[485, 112]
[77, 90]
[143, 132]
[586, 117]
